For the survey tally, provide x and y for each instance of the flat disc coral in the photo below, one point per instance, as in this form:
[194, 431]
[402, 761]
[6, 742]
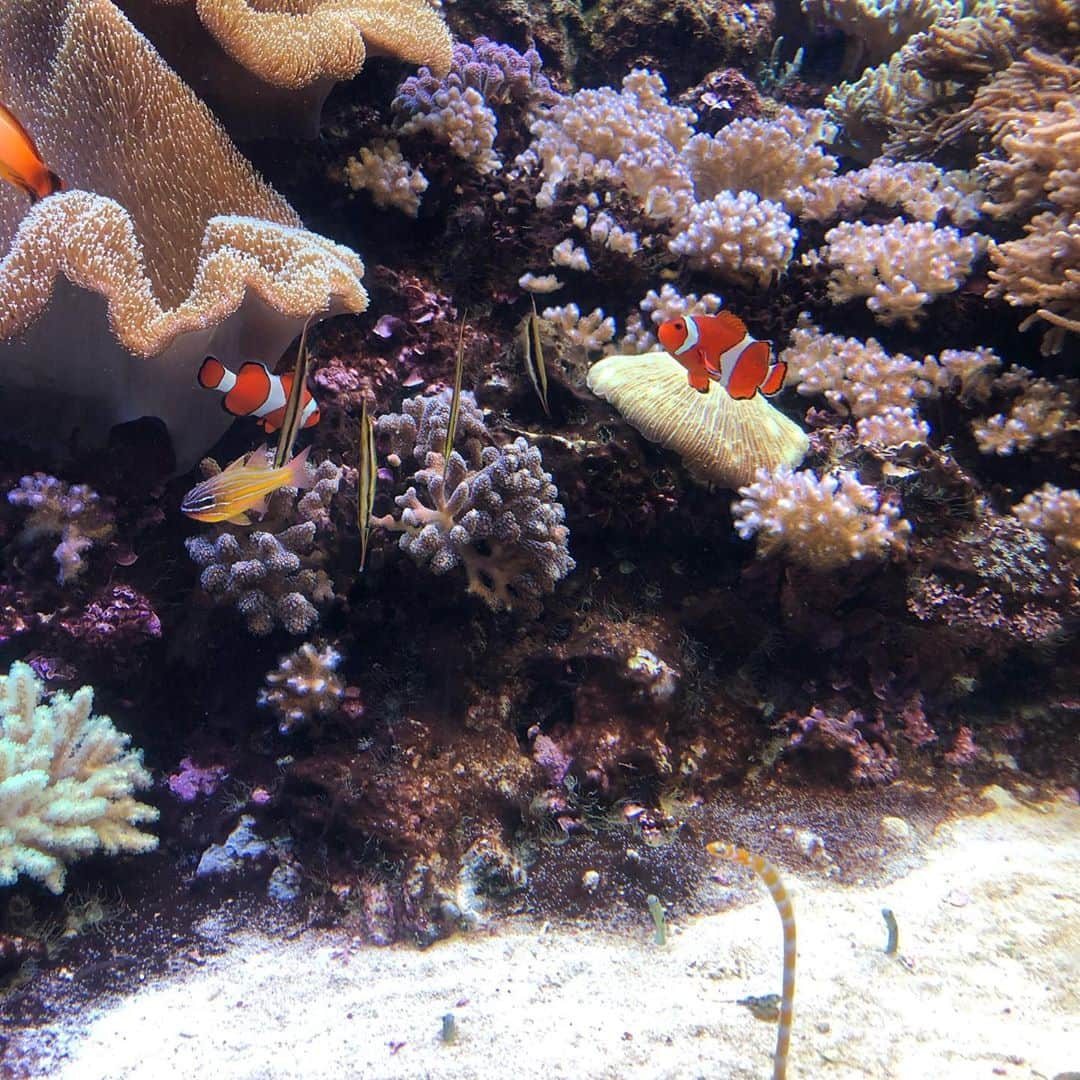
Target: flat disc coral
[721, 441]
[167, 246]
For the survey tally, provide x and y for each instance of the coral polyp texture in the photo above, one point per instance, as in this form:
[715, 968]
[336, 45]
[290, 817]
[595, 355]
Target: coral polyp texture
[821, 522]
[304, 686]
[74, 512]
[66, 783]
[272, 572]
[490, 509]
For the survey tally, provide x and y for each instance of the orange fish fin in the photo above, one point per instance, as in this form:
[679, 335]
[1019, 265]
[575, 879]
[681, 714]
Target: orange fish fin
[312, 420]
[251, 390]
[749, 371]
[211, 372]
[727, 324]
[271, 422]
[774, 381]
[53, 183]
[699, 380]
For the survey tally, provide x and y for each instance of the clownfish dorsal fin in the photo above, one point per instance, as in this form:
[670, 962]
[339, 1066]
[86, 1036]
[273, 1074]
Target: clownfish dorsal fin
[730, 323]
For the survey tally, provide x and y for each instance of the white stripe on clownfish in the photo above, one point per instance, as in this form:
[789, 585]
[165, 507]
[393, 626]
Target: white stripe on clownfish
[275, 399]
[730, 357]
[227, 382]
[692, 336]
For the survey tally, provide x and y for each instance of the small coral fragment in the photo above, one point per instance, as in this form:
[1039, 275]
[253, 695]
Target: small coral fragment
[66, 780]
[1054, 513]
[304, 686]
[721, 440]
[381, 170]
[821, 522]
[74, 512]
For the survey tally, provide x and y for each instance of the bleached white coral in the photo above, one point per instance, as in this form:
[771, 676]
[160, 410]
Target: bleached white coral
[893, 427]
[767, 157]
[383, 171]
[740, 237]
[461, 120]
[607, 231]
[1041, 412]
[567, 253]
[587, 332]
[899, 267]
[66, 782]
[631, 138]
[1055, 513]
[922, 190]
[821, 522]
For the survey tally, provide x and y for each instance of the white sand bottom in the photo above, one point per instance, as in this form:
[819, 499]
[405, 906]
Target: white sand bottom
[986, 984]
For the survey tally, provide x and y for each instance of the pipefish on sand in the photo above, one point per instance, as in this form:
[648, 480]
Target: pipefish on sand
[771, 876]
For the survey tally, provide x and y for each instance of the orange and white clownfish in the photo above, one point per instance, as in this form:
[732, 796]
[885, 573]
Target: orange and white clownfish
[253, 391]
[719, 348]
[20, 162]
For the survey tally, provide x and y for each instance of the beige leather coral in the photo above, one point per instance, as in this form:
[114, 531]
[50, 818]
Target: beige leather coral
[721, 441]
[285, 54]
[166, 246]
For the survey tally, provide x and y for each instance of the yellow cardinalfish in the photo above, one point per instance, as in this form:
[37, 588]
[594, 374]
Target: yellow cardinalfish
[244, 487]
[771, 876]
[20, 162]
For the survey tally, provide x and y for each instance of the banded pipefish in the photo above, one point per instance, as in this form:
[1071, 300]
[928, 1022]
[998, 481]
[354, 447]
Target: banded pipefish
[771, 876]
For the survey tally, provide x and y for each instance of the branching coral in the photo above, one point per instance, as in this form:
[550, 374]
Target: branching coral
[391, 180]
[273, 573]
[823, 522]
[1042, 412]
[1055, 514]
[189, 250]
[899, 267]
[74, 512]
[304, 686]
[739, 237]
[492, 510]
[66, 783]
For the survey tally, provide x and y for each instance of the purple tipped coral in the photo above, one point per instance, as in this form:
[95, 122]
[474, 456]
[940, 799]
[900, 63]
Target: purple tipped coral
[273, 574]
[73, 512]
[492, 510]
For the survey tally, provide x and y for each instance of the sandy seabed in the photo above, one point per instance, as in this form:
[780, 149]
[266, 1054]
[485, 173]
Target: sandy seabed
[986, 984]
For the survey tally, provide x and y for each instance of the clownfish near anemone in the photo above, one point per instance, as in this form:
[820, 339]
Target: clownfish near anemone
[719, 348]
[20, 162]
[254, 391]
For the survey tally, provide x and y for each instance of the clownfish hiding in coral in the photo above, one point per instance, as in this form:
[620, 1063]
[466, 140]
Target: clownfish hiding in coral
[719, 348]
[253, 391]
[244, 486]
[20, 162]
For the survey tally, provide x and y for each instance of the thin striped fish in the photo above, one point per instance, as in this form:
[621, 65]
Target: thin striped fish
[533, 350]
[366, 476]
[771, 876]
[455, 399]
[290, 422]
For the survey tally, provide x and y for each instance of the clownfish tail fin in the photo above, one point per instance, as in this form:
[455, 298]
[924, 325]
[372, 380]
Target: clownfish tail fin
[774, 381]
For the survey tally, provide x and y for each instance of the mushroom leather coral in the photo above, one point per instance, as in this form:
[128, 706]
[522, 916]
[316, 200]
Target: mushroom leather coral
[276, 60]
[165, 222]
[721, 440]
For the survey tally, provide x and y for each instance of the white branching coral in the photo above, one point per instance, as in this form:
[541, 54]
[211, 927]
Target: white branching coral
[382, 171]
[739, 237]
[1055, 513]
[893, 427]
[899, 267]
[587, 333]
[1042, 412]
[304, 686]
[74, 512]
[821, 522]
[767, 157]
[66, 783]
[630, 138]
[461, 119]
[660, 307]
[567, 253]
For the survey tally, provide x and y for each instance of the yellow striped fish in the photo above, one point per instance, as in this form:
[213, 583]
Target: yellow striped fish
[455, 400]
[532, 349]
[366, 476]
[245, 485]
[769, 874]
[292, 421]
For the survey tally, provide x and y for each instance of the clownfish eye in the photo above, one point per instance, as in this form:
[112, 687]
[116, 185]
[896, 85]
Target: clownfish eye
[680, 325]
